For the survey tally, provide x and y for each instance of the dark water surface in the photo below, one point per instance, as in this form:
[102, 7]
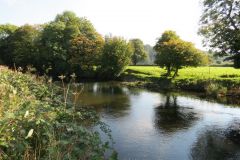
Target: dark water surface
[152, 126]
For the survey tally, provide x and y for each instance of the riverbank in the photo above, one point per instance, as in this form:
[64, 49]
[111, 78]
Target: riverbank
[37, 121]
[214, 82]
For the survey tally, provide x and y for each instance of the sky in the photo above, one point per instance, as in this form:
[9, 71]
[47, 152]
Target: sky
[144, 19]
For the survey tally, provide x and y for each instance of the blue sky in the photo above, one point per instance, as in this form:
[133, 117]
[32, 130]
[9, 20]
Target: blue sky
[144, 19]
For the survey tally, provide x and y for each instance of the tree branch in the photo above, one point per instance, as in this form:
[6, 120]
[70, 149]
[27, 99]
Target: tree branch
[230, 18]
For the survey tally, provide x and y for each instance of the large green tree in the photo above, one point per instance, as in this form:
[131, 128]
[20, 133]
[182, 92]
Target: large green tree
[173, 53]
[138, 50]
[116, 56]
[85, 54]
[58, 37]
[220, 25]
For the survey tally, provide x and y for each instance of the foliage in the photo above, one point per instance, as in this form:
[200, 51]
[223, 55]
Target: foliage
[139, 52]
[220, 25]
[22, 46]
[116, 56]
[67, 44]
[36, 123]
[215, 90]
[174, 53]
[85, 53]
[5, 32]
[64, 35]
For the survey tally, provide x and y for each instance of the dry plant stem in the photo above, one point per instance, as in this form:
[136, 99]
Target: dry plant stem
[64, 92]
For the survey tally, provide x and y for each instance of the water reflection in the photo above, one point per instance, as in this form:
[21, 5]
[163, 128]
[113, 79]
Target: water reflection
[150, 125]
[109, 99]
[170, 117]
[215, 144]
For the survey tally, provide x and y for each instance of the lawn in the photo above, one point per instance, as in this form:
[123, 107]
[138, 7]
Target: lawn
[227, 75]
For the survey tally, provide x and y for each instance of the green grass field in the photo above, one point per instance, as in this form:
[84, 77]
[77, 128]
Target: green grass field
[227, 75]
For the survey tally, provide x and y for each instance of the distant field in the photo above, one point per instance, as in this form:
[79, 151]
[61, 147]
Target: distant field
[220, 74]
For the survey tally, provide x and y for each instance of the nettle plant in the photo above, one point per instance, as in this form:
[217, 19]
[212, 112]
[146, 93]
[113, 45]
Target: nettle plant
[38, 122]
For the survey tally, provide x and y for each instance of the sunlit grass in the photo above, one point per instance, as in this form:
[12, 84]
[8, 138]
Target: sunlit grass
[229, 74]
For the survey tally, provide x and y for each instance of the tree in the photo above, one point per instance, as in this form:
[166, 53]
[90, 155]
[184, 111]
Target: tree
[20, 45]
[6, 31]
[85, 53]
[116, 56]
[58, 37]
[23, 43]
[220, 25]
[139, 52]
[174, 53]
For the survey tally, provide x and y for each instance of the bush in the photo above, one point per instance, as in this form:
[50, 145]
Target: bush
[215, 89]
[37, 123]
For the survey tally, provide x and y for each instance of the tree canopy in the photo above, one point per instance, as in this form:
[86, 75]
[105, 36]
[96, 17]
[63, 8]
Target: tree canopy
[68, 37]
[220, 25]
[6, 30]
[85, 53]
[116, 56]
[174, 53]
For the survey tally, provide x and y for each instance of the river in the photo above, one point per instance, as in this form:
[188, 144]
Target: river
[164, 126]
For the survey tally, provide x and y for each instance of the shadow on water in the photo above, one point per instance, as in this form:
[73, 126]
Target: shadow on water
[153, 125]
[170, 117]
[216, 143]
[108, 99]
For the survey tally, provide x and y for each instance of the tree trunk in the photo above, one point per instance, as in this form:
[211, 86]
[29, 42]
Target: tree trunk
[175, 73]
[168, 71]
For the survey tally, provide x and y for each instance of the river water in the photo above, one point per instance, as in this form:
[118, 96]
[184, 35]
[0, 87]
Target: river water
[164, 126]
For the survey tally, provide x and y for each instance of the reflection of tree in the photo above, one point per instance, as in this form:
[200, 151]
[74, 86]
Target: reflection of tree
[107, 98]
[214, 145]
[233, 132]
[170, 117]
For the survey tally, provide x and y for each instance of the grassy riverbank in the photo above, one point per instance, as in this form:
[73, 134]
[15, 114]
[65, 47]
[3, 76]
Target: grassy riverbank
[36, 123]
[211, 80]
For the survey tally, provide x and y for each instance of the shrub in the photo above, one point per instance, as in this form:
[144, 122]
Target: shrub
[36, 123]
[215, 89]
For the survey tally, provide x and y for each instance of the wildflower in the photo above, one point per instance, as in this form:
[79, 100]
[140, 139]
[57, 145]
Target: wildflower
[61, 77]
[75, 93]
[50, 80]
[73, 75]
[29, 134]
[26, 114]
[20, 69]
[14, 92]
